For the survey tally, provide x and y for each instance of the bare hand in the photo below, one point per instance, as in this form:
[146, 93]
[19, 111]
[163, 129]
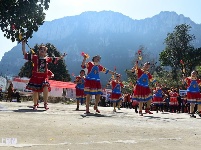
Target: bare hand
[64, 54]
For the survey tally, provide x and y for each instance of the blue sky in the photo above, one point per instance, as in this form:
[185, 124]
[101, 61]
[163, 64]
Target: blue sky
[136, 9]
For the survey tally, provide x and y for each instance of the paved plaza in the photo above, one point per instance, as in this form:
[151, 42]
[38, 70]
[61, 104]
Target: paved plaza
[63, 128]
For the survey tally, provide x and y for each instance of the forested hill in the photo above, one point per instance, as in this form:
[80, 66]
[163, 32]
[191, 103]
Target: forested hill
[112, 35]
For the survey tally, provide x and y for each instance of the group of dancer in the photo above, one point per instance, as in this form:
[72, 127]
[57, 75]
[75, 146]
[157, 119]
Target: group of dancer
[88, 84]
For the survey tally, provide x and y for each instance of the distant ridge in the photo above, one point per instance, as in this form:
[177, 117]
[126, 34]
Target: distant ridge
[114, 36]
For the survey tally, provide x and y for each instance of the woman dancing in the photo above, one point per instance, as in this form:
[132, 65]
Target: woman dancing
[39, 80]
[142, 92]
[193, 93]
[92, 81]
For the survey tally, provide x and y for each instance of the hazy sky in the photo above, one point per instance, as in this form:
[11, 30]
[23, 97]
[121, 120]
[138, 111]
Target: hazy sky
[136, 9]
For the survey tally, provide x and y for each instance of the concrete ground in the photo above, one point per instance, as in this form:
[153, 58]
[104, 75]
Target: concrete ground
[63, 128]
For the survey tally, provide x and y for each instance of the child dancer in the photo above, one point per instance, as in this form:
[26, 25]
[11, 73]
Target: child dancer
[80, 96]
[158, 97]
[39, 80]
[193, 93]
[92, 81]
[142, 92]
[116, 92]
[173, 100]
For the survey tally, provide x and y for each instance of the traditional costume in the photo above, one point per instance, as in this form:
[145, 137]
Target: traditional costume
[142, 92]
[193, 94]
[116, 91]
[40, 72]
[173, 104]
[158, 97]
[157, 100]
[80, 96]
[92, 81]
[173, 98]
[193, 91]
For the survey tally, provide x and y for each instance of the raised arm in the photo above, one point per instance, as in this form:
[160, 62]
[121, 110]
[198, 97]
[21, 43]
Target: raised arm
[112, 72]
[135, 67]
[23, 48]
[183, 80]
[62, 56]
[77, 80]
[84, 61]
[106, 71]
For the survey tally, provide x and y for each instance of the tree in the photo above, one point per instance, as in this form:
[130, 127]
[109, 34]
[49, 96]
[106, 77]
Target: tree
[20, 18]
[178, 51]
[164, 77]
[59, 69]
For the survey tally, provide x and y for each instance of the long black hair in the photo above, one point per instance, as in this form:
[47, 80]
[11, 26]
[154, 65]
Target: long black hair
[95, 57]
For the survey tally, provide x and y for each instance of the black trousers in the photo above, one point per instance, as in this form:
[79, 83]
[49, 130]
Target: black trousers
[17, 95]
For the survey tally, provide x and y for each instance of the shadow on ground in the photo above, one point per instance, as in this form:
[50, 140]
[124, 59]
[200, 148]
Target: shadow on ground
[94, 115]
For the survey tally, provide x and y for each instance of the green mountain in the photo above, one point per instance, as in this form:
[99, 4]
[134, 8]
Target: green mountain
[112, 35]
